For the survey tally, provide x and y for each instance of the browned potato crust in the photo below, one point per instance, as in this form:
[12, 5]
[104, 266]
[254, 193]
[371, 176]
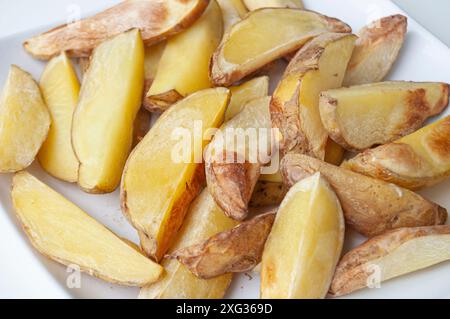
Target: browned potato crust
[267, 194]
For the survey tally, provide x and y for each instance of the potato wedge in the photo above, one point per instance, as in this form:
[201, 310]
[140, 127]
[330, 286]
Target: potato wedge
[24, 121]
[157, 20]
[370, 206]
[246, 92]
[233, 160]
[60, 88]
[263, 36]
[110, 98]
[308, 234]
[318, 66]
[178, 74]
[203, 220]
[362, 116]
[253, 5]
[232, 11]
[237, 250]
[415, 161]
[391, 255]
[376, 50]
[267, 194]
[63, 232]
[157, 186]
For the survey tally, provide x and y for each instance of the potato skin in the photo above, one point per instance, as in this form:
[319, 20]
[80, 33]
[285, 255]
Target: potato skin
[370, 206]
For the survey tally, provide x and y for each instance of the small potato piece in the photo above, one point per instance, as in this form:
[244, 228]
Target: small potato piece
[418, 160]
[24, 121]
[157, 20]
[110, 99]
[258, 4]
[232, 12]
[267, 194]
[157, 184]
[246, 92]
[263, 36]
[376, 50]
[362, 116]
[203, 220]
[371, 206]
[305, 244]
[320, 65]
[60, 88]
[237, 250]
[391, 255]
[179, 74]
[63, 232]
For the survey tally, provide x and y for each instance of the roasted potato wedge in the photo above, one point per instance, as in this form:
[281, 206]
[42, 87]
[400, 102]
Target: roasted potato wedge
[267, 194]
[237, 250]
[157, 20]
[232, 12]
[24, 121]
[391, 255]
[253, 5]
[203, 220]
[371, 206]
[178, 74]
[110, 98]
[263, 36]
[233, 161]
[376, 50]
[63, 232]
[157, 185]
[362, 116]
[318, 66]
[415, 161]
[305, 243]
[60, 88]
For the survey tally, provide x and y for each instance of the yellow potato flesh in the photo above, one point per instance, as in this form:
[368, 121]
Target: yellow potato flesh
[60, 88]
[204, 220]
[153, 181]
[305, 244]
[109, 101]
[24, 121]
[258, 4]
[63, 232]
[152, 58]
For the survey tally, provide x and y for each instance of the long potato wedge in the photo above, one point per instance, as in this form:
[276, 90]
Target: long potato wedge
[157, 186]
[232, 12]
[391, 255]
[63, 232]
[237, 250]
[263, 36]
[318, 66]
[253, 5]
[24, 121]
[157, 20]
[110, 98]
[370, 206]
[376, 50]
[178, 74]
[60, 88]
[267, 194]
[305, 243]
[419, 160]
[203, 220]
[362, 116]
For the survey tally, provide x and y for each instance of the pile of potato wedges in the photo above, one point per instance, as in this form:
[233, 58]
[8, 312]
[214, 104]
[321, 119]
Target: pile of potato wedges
[353, 148]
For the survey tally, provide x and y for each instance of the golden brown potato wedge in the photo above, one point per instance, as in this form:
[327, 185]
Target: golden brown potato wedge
[318, 66]
[253, 5]
[237, 250]
[232, 11]
[305, 243]
[63, 232]
[263, 36]
[157, 20]
[391, 255]
[415, 161]
[362, 116]
[110, 98]
[233, 161]
[60, 88]
[178, 74]
[267, 194]
[203, 220]
[24, 121]
[376, 50]
[371, 206]
[158, 183]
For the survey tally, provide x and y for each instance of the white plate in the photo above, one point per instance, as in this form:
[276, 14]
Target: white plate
[26, 274]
